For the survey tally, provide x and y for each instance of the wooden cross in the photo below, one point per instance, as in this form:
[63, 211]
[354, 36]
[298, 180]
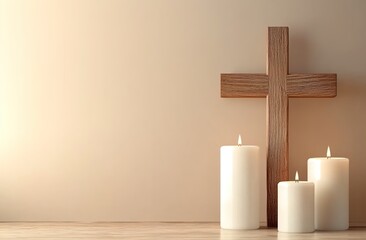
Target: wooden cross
[277, 85]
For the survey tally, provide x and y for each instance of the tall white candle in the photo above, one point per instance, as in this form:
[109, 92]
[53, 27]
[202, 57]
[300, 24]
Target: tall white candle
[239, 186]
[331, 178]
[296, 206]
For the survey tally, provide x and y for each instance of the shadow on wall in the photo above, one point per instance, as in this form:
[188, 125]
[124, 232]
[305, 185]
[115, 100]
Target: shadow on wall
[339, 123]
[351, 131]
[299, 53]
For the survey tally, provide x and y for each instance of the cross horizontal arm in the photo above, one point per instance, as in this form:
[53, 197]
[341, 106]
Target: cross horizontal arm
[311, 85]
[244, 85]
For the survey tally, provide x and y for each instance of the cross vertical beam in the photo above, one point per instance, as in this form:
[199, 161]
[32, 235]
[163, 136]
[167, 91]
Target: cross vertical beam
[277, 117]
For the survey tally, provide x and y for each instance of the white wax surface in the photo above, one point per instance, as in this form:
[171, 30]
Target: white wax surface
[239, 187]
[296, 207]
[331, 179]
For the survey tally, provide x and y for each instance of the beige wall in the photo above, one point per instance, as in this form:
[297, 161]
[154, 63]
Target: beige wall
[111, 110]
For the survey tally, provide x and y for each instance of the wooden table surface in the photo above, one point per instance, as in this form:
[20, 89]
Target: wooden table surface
[141, 231]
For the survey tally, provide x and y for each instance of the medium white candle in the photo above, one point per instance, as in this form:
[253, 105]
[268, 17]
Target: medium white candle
[239, 186]
[331, 178]
[296, 206]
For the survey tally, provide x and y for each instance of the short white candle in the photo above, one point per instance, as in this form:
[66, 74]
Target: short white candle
[239, 186]
[331, 178]
[296, 206]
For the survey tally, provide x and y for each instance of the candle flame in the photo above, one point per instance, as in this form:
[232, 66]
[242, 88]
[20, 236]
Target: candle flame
[328, 152]
[239, 140]
[296, 176]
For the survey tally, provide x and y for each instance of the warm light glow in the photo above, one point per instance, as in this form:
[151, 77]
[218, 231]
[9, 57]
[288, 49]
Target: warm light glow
[239, 140]
[297, 176]
[328, 152]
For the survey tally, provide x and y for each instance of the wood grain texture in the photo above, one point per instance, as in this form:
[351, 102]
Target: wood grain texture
[312, 85]
[244, 85]
[277, 117]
